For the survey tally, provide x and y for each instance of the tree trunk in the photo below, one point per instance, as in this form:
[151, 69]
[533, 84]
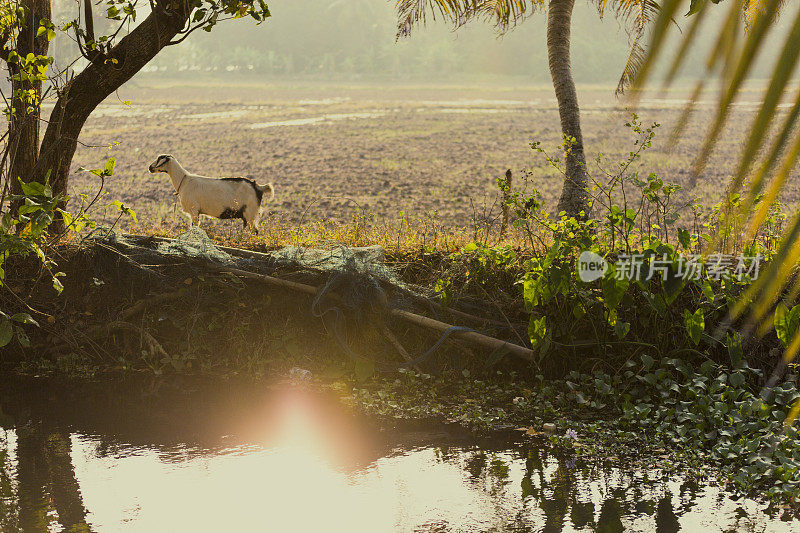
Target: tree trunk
[24, 128]
[574, 197]
[79, 98]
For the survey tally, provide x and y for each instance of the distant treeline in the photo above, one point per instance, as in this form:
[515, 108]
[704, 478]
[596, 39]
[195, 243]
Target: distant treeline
[356, 39]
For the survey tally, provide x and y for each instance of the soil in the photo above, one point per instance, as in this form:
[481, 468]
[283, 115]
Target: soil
[333, 151]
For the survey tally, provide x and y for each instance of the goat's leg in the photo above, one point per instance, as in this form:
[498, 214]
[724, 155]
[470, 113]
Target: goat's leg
[250, 218]
[186, 217]
[195, 216]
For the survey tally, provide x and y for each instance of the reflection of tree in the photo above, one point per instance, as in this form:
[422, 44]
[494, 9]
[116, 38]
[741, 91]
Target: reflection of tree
[555, 508]
[47, 482]
[610, 520]
[582, 514]
[475, 465]
[666, 520]
[625, 492]
[563, 487]
[8, 503]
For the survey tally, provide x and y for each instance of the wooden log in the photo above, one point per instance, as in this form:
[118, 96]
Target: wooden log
[474, 336]
[422, 321]
[397, 346]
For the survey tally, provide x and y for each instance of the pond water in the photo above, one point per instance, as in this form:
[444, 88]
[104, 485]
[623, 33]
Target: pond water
[151, 456]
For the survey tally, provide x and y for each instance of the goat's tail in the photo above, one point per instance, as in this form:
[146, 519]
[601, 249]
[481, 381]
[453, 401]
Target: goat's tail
[267, 188]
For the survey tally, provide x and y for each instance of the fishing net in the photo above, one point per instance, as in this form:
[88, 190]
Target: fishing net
[354, 286]
[354, 271]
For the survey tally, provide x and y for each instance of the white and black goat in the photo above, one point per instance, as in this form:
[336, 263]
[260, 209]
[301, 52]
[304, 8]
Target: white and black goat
[215, 197]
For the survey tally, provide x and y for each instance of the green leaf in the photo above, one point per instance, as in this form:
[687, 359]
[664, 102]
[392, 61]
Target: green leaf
[22, 337]
[110, 165]
[695, 325]
[794, 320]
[6, 331]
[672, 284]
[708, 291]
[24, 318]
[786, 322]
[695, 6]
[685, 238]
[537, 330]
[57, 285]
[33, 188]
[613, 288]
[622, 329]
[735, 352]
[737, 379]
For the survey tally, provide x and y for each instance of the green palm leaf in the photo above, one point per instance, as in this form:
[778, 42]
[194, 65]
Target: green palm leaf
[769, 153]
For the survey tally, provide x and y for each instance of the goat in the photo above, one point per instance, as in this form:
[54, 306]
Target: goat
[214, 197]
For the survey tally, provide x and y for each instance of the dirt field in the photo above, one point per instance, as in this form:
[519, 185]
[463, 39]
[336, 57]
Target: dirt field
[332, 150]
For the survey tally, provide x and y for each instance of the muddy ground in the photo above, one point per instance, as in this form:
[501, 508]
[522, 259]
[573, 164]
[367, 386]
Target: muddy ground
[335, 150]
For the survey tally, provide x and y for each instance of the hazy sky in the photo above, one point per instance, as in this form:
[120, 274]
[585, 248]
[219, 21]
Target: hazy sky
[356, 39]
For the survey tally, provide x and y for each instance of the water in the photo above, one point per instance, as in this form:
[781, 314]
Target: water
[323, 119]
[152, 456]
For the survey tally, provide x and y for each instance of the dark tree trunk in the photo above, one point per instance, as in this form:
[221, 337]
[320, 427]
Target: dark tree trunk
[574, 197]
[79, 98]
[24, 129]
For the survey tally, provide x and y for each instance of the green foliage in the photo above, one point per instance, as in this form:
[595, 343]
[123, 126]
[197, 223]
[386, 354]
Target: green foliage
[786, 321]
[713, 412]
[657, 290]
[27, 234]
[703, 414]
[22, 236]
[695, 324]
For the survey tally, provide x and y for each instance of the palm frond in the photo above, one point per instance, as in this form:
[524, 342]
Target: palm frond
[752, 9]
[782, 73]
[637, 16]
[662, 24]
[411, 13]
[734, 56]
[767, 165]
[503, 13]
[637, 13]
[691, 34]
[738, 64]
[507, 13]
[636, 57]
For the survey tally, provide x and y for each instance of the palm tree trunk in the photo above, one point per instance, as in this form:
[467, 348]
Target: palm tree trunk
[574, 197]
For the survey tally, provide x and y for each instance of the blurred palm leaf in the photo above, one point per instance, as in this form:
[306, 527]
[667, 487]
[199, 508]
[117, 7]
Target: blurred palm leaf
[771, 149]
[733, 57]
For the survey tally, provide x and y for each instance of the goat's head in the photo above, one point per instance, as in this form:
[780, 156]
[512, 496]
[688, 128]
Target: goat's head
[160, 164]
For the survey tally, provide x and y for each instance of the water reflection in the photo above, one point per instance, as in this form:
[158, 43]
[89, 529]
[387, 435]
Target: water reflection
[233, 457]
